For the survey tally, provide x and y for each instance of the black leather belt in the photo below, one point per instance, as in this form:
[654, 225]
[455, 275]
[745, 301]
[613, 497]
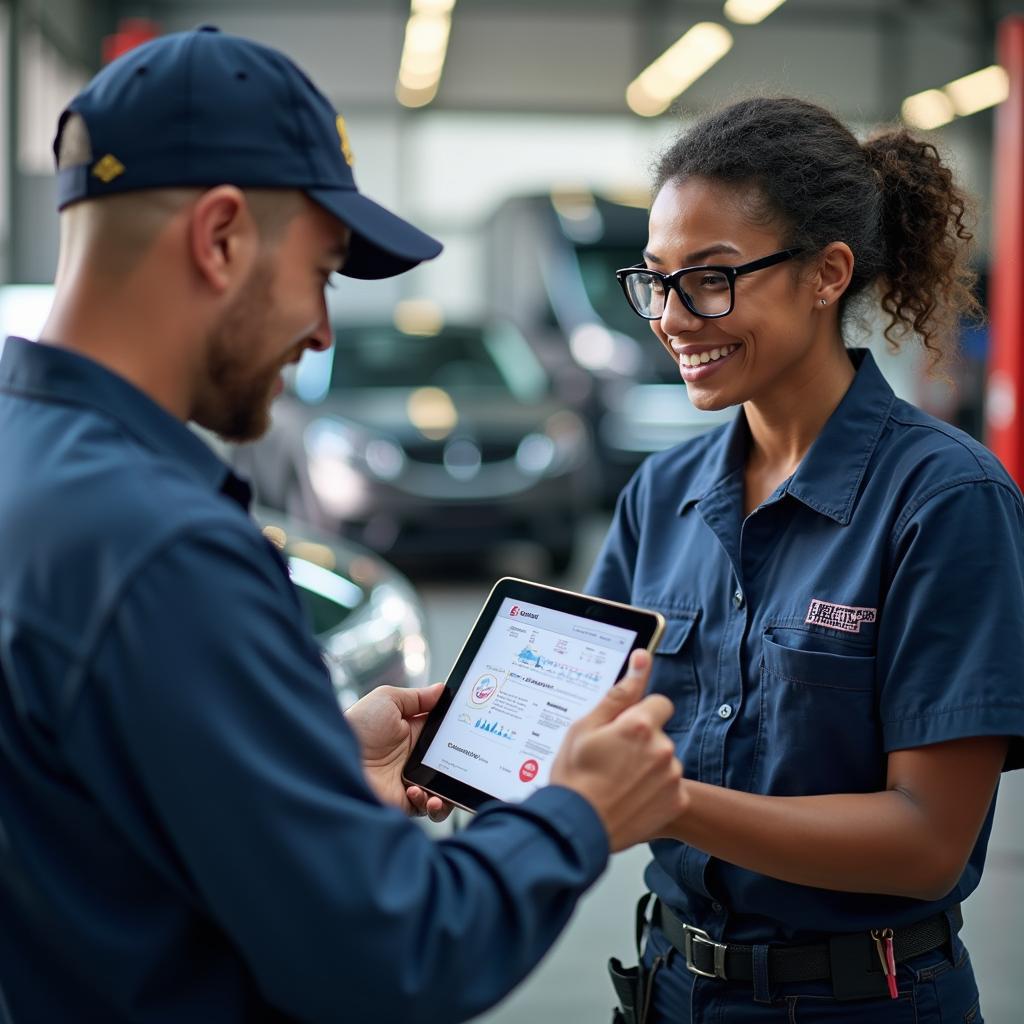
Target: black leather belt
[856, 952]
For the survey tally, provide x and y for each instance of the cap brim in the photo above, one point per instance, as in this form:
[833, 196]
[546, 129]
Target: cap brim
[382, 244]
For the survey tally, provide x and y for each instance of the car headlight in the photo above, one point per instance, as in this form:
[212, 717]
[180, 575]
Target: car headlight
[605, 352]
[384, 459]
[334, 452]
[535, 454]
[384, 642]
[555, 450]
[341, 456]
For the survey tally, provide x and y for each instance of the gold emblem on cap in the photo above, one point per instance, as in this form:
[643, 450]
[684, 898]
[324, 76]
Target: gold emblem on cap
[108, 168]
[346, 149]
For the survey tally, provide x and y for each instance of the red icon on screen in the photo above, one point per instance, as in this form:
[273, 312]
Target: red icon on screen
[513, 611]
[528, 770]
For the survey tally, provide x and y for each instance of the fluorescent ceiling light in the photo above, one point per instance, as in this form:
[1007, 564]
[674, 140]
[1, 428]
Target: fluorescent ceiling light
[750, 12]
[977, 91]
[652, 91]
[426, 35]
[959, 98]
[415, 97]
[424, 51]
[929, 109]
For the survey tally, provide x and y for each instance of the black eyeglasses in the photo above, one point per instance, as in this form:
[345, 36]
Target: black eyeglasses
[706, 291]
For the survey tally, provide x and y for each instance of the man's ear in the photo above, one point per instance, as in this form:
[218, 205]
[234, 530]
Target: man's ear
[223, 237]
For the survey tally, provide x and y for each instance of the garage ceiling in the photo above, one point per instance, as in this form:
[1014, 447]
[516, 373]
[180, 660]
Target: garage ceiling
[861, 57]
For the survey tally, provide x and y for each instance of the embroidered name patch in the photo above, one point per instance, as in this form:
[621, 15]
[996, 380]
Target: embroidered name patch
[839, 616]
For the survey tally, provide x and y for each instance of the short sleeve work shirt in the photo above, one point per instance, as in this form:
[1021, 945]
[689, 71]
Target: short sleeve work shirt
[874, 602]
[186, 833]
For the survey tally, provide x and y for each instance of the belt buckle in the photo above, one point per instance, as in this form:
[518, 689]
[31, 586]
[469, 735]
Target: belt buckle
[692, 935]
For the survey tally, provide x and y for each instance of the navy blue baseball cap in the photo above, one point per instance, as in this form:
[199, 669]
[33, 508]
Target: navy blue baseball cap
[205, 108]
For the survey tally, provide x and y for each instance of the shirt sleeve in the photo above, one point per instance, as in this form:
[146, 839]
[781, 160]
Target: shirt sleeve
[951, 632]
[208, 730]
[612, 574]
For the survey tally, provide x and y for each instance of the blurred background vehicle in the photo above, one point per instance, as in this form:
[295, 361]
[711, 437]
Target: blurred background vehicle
[431, 442]
[365, 615]
[552, 260]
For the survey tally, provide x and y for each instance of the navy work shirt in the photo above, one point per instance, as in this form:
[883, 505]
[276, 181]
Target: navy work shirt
[186, 833]
[874, 602]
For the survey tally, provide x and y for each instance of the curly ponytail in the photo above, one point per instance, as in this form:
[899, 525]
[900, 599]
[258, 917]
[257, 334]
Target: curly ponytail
[927, 282]
[892, 201]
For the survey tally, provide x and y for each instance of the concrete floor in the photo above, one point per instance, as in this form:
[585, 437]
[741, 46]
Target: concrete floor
[571, 985]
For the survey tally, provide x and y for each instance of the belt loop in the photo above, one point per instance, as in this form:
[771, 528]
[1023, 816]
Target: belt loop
[954, 921]
[642, 923]
[762, 983]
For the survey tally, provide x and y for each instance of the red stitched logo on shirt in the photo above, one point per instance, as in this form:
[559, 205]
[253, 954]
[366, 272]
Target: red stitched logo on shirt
[839, 616]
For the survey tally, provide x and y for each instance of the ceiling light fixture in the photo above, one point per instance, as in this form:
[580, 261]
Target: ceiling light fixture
[929, 109]
[424, 51]
[979, 90]
[750, 12]
[959, 98]
[654, 89]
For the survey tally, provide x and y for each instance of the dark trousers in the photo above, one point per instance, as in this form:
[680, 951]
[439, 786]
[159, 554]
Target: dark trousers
[933, 989]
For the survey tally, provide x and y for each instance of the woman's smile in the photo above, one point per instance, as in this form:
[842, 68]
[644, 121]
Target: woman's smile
[699, 364]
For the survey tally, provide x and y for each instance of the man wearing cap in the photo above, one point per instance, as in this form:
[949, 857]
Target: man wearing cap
[189, 828]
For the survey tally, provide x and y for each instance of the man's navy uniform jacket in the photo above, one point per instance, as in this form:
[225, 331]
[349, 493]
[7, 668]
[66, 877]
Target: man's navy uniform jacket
[186, 833]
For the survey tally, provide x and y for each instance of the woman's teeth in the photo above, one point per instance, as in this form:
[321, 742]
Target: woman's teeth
[706, 357]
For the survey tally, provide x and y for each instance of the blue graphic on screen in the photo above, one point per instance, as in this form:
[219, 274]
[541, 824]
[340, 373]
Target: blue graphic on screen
[494, 729]
[556, 669]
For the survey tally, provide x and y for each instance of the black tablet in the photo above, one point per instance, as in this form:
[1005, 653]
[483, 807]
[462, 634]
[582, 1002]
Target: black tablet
[536, 660]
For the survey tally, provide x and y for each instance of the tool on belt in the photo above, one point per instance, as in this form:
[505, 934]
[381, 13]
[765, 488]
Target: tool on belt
[860, 965]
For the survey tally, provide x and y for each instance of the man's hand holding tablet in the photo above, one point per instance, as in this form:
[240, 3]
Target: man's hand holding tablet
[530, 702]
[616, 757]
[387, 723]
[619, 759]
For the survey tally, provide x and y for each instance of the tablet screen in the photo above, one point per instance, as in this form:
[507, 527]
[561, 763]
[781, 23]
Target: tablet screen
[536, 671]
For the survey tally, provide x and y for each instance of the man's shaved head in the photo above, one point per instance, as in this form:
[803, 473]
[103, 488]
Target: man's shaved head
[118, 230]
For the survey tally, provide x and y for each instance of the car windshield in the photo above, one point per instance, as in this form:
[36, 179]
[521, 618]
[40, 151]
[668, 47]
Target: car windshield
[598, 264]
[471, 358]
[597, 268]
[322, 613]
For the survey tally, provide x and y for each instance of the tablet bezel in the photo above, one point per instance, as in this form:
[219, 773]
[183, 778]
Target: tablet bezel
[648, 626]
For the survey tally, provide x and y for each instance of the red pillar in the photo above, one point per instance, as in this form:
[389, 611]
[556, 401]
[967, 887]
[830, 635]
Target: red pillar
[1004, 406]
[131, 32]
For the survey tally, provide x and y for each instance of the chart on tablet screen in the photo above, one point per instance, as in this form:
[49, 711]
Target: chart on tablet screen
[536, 672]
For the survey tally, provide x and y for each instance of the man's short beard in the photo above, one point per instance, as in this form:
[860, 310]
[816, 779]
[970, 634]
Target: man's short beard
[240, 392]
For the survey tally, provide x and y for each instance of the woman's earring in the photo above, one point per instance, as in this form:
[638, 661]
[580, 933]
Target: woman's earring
[824, 302]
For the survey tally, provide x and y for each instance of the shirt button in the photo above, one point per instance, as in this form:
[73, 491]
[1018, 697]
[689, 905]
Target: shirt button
[737, 599]
[725, 711]
[716, 907]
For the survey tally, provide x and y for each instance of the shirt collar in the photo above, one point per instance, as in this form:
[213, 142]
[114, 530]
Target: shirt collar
[828, 479]
[726, 455]
[58, 374]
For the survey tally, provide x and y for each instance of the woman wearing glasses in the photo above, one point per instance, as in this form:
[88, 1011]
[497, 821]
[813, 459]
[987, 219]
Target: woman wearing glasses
[842, 574]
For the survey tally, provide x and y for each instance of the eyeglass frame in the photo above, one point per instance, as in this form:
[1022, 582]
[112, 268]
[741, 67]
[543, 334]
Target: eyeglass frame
[670, 282]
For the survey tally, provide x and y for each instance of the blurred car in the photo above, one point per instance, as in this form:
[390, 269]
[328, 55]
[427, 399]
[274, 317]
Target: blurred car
[551, 267]
[428, 441]
[364, 613]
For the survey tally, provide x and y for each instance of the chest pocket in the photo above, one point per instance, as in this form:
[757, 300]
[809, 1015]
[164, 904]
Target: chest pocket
[819, 731]
[674, 673]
